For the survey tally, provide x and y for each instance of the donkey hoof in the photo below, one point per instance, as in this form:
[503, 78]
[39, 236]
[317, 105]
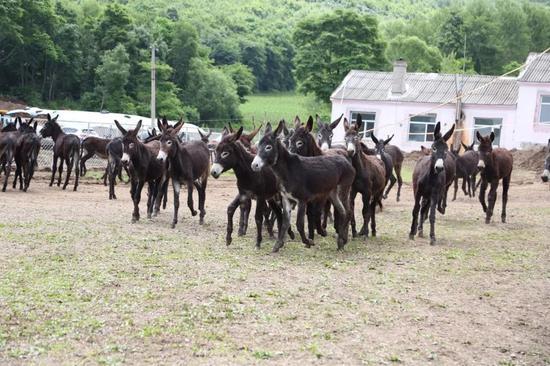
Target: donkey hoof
[241, 233]
[411, 236]
[503, 219]
[194, 213]
[258, 246]
[420, 234]
[275, 249]
[432, 241]
[201, 221]
[291, 235]
[487, 220]
[228, 241]
[398, 199]
[173, 225]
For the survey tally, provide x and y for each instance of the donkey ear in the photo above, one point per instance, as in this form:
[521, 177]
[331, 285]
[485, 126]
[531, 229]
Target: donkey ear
[464, 145]
[286, 132]
[160, 125]
[318, 120]
[472, 145]
[154, 132]
[479, 137]
[55, 118]
[138, 126]
[177, 128]
[373, 138]
[253, 134]
[492, 136]
[297, 122]
[449, 133]
[239, 133]
[49, 117]
[165, 121]
[202, 136]
[336, 122]
[268, 128]
[387, 141]
[35, 125]
[179, 123]
[359, 122]
[279, 129]
[225, 131]
[230, 127]
[120, 128]
[437, 130]
[346, 124]
[309, 124]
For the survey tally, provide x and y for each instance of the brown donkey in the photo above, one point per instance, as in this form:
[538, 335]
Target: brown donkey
[66, 148]
[430, 182]
[305, 179]
[188, 163]
[494, 164]
[546, 169]
[26, 154]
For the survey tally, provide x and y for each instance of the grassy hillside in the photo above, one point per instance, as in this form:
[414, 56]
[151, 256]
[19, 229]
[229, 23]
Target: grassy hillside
[274, 106]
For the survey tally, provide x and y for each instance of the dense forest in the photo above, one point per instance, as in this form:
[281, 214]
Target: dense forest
[95, 54]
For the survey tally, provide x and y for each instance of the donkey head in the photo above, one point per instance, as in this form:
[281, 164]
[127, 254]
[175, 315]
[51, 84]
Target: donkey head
[352, 137]
[546, 173]
[11, 126]
[380, 145]
[301, 140]
[455, 152]
[50, 127]
[226, 153]
[468, 147]
[285, 134]
[325, 133]
[268, 148]
[129, 141]
[253, 133]
[485, 150]
[440, 148]
[169, 141]
[205, 138]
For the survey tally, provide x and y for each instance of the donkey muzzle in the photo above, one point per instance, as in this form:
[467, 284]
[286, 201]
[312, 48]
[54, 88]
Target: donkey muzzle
[161, 156]
[439, 165]
[125, 158]
[480, 165]
[216, 170]
[257, 163]
[324, 146]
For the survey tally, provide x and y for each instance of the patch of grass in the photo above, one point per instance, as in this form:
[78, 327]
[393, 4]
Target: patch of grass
[274, 106]
[262, 355]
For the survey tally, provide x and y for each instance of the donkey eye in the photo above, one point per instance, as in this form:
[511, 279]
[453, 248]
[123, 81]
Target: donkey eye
[434, 148]
[131, 146]
[299, 144]
[168, 142]
[225, 154]
[268, 147]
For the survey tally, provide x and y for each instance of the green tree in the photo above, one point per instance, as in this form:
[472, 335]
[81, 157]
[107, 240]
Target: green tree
[184, 46]
[452, 65]
[450, 36]
[243, 78]
[112, 75]
[516, 43]
[538, 21]
[328, 47]
[114, 27]
[419, 56]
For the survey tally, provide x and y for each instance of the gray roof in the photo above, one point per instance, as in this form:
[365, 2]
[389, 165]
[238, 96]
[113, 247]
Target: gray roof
[427, 88]
[539, 69]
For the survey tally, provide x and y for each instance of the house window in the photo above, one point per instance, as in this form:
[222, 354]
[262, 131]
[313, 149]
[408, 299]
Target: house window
[368, 122]
[421, 128]
[487, 125]
[544, 109]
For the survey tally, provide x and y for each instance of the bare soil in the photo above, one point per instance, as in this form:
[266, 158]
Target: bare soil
[79, 284]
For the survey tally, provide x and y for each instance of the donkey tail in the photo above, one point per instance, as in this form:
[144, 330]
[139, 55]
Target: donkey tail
[77, 150]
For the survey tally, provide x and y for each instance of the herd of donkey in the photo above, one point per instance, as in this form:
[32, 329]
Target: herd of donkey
[287, 168]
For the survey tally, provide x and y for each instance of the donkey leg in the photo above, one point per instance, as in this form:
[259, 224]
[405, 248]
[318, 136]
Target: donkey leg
[456, 187]
[54, 169]
[342, 214]
[69, 170]
[60, 171]
[366, 212]
[105, 175]
[392, 182]
[373, 217]
[159, 196]
[399, 180]
[300, 215]
[245, 205]
[352, 213]
[491, 197]
[190, 198]
[465, 184]
[268, 213]
[136, 198]
[311, 220]
[202, 198]
[415, 211]
[177, 187]
[230, 212]
[287, 216]
[424, 209]
[259, 216]
[433, 211]
[83, 161]
[505, 187]
[482, 189]
[7, 171]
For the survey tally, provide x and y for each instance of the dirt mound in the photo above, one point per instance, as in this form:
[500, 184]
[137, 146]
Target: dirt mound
[531, 159]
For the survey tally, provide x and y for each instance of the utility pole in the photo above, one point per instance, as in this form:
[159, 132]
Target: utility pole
[153, 86]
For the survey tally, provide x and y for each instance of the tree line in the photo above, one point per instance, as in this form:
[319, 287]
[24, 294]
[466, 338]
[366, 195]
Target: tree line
[95, 55]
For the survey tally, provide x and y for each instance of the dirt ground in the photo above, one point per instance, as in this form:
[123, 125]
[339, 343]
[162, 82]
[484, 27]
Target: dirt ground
[79, 284]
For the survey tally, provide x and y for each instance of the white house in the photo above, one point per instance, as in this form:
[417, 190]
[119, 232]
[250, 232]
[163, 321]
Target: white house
[408, 105]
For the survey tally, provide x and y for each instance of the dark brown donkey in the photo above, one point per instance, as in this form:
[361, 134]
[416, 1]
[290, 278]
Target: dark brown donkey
[305, 179]
[66, 148]
[143, 167]
[325, 132]
[546, 169]
[26, 154]
[466, 168]
[8, 141]
[189, 164]
[430, 183]
[370, 178]
[494, 164]
[261, 186]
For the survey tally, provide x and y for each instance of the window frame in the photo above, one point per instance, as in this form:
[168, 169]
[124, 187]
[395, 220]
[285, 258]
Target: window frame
[493, 127]
[541, 104]
[368, 124]
[426, 129]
